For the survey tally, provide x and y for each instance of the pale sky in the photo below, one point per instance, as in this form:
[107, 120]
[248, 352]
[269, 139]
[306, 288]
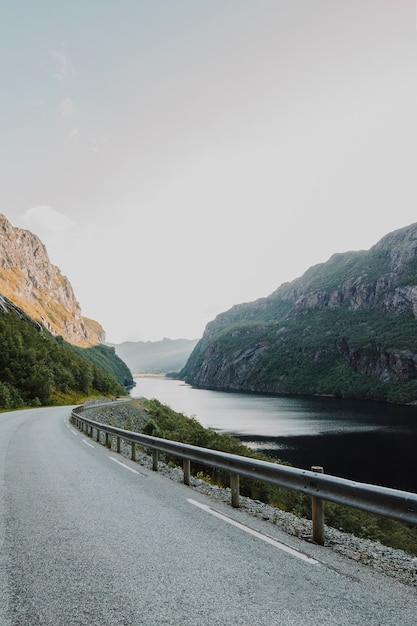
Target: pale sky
[177, 157]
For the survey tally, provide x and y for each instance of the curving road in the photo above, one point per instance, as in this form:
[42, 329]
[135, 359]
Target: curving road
[89, 538]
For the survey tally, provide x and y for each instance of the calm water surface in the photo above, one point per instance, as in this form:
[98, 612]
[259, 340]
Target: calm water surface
[365, 441]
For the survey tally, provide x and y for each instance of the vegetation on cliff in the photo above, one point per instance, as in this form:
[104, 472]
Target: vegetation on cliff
[37, 369]
[345, 328]
[105, 358]
[340, 353]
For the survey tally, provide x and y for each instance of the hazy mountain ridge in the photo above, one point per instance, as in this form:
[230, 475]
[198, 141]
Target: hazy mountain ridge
[33, 283]
[155, 357]
[346, 327]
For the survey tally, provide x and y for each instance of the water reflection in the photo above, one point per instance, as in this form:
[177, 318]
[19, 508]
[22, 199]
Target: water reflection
[371, 442]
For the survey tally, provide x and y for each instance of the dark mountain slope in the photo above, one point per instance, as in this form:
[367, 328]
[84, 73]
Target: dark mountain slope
[347, 327]
[38, 369]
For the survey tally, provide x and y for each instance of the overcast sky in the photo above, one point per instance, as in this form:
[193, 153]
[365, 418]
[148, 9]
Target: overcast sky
[177, 157]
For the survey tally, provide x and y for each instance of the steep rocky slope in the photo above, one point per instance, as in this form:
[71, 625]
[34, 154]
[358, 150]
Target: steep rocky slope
[30, 281]
[346, 327]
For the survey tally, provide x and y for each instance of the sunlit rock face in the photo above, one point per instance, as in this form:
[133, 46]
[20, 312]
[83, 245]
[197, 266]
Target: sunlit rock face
[30, 281]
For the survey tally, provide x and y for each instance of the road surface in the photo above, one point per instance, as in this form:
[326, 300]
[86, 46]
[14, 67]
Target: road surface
[89, 537]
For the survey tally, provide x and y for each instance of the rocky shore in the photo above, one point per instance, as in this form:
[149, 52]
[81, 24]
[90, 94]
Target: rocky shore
[395, 563]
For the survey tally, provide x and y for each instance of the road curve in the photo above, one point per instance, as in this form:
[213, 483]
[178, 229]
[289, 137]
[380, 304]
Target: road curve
[87, 537]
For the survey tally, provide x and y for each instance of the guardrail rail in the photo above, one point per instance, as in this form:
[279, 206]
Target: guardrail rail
[391, 503]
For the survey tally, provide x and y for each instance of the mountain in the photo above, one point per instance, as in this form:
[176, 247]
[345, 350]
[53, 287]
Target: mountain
[31, 282]
[49, 353]
[37, 369]
[345, 328]
[155, 357]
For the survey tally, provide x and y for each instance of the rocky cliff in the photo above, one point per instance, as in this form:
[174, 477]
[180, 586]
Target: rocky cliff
[384, 278]
[30, 281]
[346, 327]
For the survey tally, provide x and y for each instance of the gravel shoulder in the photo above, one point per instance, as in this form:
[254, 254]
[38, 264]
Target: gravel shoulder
[395, 563]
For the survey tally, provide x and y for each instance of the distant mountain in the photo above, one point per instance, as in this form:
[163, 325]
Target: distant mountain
[31, 282]
[345, 328]
[155, 357]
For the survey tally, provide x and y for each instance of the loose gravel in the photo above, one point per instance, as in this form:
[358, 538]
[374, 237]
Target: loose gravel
[395, 563]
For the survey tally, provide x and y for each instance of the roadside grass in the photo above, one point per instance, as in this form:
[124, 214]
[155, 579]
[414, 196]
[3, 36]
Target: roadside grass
[156, 419]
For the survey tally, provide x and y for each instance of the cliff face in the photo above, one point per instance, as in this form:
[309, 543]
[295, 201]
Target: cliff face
[384, 278]
[30, 281]
[346, 327]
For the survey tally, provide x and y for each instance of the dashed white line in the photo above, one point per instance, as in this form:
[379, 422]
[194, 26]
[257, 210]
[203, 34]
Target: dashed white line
[123, 465]
[250, 531]
[87, 443]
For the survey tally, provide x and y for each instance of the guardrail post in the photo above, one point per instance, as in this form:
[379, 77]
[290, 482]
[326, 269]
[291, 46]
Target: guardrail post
[317, 512]
[155, 460]
[108, 441]
[235, 490]
[118, 444]
[98, 435]
[133, 455]
[186, 467]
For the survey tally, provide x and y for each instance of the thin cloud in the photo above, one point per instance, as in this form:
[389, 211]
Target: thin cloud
[67, 107]
[96, 145]
[39, 104]
[65, 70]
[46, 219]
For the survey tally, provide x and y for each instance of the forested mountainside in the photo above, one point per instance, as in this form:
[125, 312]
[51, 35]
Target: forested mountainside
[29, 280]
[346, 328]
[155, 357]
[39, 369]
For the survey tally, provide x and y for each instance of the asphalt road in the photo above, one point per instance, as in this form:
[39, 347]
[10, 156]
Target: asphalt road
[87, 537]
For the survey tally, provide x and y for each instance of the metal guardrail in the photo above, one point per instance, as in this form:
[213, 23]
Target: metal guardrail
[391, 503]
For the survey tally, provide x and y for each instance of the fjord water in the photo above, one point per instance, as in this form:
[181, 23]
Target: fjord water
[365, 441]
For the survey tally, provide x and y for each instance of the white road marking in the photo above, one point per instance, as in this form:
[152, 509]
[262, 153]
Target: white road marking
[74, 432]
[87, 443]
[246, 529]
[123, 465]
